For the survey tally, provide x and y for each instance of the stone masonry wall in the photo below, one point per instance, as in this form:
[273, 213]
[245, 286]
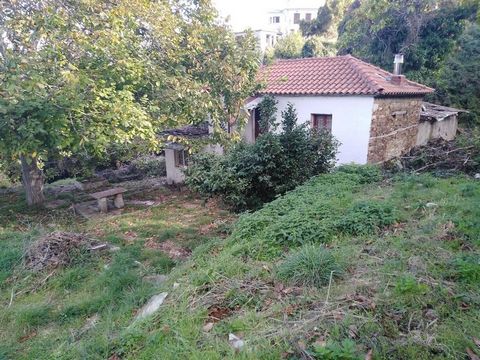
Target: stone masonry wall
[394, 127]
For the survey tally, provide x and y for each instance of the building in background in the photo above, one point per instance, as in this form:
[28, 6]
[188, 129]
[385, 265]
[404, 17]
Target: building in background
[284, 21]
[287, 20]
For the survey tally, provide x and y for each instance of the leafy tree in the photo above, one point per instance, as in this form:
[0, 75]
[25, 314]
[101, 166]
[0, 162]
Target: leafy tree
[327, 20]
[289, 46]
[424, 31]
[268, 114]
[318, 46]
[77, 76]
[459, 80]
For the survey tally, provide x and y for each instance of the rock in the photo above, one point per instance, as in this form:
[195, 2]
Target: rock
[89, 324]
[141, 203]
[207, 327]
[431, 205]
[431, 315]
[235, 342]
[151, 306]
[176, 285]
[91, 184]
[477, 176]
[155, 279]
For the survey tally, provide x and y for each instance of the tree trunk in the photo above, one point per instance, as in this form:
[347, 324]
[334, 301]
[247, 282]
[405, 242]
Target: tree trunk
[32, 178]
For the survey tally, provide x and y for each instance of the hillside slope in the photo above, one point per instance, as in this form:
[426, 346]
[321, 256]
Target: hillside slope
[348, 264]
[407, 284]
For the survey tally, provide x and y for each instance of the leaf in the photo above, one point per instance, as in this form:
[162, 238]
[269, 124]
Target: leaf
[369, 355]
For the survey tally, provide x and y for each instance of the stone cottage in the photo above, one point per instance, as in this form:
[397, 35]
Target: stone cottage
[375, 114]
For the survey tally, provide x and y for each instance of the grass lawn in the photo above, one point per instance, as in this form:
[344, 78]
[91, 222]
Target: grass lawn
[44, 314]
[394, 272]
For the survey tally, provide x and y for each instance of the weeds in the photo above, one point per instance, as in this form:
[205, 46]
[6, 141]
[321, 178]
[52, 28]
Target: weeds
[466, 268]
[346, 350]
[310, 265]
[366, 217]
[409, 292]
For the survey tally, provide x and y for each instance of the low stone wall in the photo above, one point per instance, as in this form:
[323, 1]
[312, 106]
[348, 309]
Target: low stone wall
[394, 127]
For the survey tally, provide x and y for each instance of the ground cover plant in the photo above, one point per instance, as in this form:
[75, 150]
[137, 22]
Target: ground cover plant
[408, 285]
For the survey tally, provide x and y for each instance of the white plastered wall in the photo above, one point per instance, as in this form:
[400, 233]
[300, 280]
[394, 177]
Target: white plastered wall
[351, 120]
[175, 174]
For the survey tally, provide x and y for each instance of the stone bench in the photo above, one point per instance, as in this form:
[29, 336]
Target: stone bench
[102, 197]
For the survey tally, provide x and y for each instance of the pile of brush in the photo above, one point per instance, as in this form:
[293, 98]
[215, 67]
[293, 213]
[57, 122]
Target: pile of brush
[58, 249]
[444, 157]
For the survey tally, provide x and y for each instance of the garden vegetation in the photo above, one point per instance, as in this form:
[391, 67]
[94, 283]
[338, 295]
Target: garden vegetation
[249, 175]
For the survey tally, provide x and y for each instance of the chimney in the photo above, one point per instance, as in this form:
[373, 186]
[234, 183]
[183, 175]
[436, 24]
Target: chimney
[397, 64]
[397, 77]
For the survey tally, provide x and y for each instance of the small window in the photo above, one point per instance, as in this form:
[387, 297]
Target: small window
[296, 18]
[322, 122]
[308, 16]
[275, 19]
[181, 158]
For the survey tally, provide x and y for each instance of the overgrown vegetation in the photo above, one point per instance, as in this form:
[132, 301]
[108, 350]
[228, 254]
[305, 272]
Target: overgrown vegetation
[310, 265]
[250, 175]
[459, 80]
[408, 285]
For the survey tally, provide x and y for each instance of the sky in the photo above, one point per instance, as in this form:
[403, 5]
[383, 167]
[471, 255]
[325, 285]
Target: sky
[253, 13]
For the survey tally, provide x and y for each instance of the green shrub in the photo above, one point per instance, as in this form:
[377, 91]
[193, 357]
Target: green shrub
[409, 291]
[150, 165]
[310, 265]
[367, 173]
[309, 214]
[408, 285]
[466, 268]
[345, 350]
[250, 175]
[298, 229]
[210, 175]
[366, 217]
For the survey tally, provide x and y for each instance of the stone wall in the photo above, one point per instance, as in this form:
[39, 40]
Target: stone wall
[394, 127]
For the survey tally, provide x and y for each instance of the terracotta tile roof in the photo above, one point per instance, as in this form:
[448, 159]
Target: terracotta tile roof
[338, 75]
